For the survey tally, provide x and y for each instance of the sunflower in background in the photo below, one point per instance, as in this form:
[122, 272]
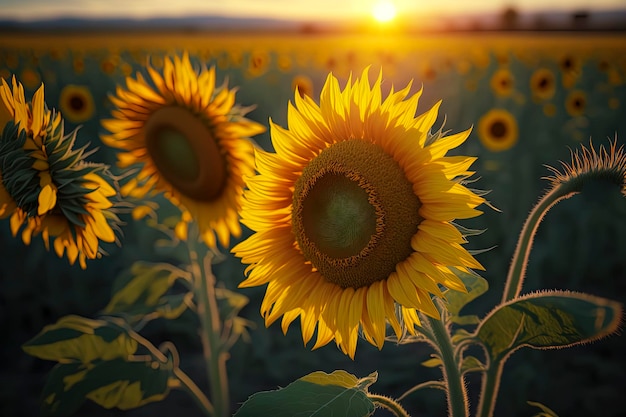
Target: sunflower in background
[576, 103]
[353, 215]
[76, 103]
[190, 140]
[497, 130]
[542, 84]
[502, 82]
[47, 187]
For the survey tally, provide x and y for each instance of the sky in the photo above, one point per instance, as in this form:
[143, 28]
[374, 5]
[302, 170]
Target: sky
[284, 9]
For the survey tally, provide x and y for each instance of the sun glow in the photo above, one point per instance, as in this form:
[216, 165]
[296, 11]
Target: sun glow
[384, 11]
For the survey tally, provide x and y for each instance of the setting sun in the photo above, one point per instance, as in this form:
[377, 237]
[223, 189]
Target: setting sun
[384, 11]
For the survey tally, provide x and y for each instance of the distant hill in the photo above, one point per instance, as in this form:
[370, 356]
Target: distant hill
[510, 19]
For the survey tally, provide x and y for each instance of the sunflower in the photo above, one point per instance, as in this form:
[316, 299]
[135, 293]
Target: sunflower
[571, 68]
[191, 142]
[497, 130]
[502, 82]
[76, 103]
[353, 215]
[47, 187]
[303, 85]
[576, 103]
[542, 84]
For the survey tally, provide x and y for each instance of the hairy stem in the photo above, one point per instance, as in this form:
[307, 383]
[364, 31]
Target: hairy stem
[388, 403]
[517, 270]
[458, 405]
[489, 389]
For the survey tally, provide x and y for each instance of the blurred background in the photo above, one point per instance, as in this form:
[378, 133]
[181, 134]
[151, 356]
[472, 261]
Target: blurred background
[534, 82]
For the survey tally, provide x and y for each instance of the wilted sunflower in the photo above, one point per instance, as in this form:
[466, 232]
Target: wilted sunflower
[191, 140]
[353, 215]
[47, 187]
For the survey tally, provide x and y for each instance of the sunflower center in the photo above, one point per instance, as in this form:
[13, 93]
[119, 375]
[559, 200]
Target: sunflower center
[337, 215]
[498, 130]
[185, 153]
[354, 213]
[76, 102]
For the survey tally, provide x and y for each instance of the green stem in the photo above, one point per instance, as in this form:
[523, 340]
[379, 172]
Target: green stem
[214, 354]
[456, 392]
[388, 403]
[489, 389]
[517, 270]
[428, 384]
[195, 392]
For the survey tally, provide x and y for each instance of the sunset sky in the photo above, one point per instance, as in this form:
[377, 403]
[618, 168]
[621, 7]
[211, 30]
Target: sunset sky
[329, 9]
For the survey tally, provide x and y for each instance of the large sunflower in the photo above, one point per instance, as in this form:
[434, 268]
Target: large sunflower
[46, 186]
[191, 142]
[353, 215]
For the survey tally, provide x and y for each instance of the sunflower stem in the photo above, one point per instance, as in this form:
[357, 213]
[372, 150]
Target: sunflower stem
[456, 392]
[194, 391]
[208, 312]
[388, 403]
[489, 389]
[517, 269]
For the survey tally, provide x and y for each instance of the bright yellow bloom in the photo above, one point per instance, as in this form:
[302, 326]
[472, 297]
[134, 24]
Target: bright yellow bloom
[353, 215]
[497, 130]
[190, 139]
[46, 186]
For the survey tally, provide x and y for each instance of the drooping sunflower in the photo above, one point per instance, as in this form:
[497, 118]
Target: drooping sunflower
[497, 130]
[353, 215]
[191, 141]
[47, 187]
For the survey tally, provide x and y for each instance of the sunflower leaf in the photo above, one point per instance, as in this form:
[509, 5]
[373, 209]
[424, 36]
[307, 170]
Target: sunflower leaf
[229, 302]
[432, 362]
[80, 340]
[319, 393]
[545, 320]
[471, 364]
[140, 293]
[476, 286]
[111, 384]
[545, 411]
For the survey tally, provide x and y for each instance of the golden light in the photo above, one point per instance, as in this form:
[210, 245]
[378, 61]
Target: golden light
[384, 11]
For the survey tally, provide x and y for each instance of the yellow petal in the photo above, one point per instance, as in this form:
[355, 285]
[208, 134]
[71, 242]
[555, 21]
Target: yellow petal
[47, 199]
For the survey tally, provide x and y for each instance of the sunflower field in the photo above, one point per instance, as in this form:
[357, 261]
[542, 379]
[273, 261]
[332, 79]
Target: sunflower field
[530, 99]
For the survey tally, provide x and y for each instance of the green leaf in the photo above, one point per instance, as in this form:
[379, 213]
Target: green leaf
[112, 384]
[471, 364]
[476, 286]
[545, 411]
[317, 394]
[432, 362]
[79, 339]
[550, 319]
[229, 302]
[140, 293]
[460, 335]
